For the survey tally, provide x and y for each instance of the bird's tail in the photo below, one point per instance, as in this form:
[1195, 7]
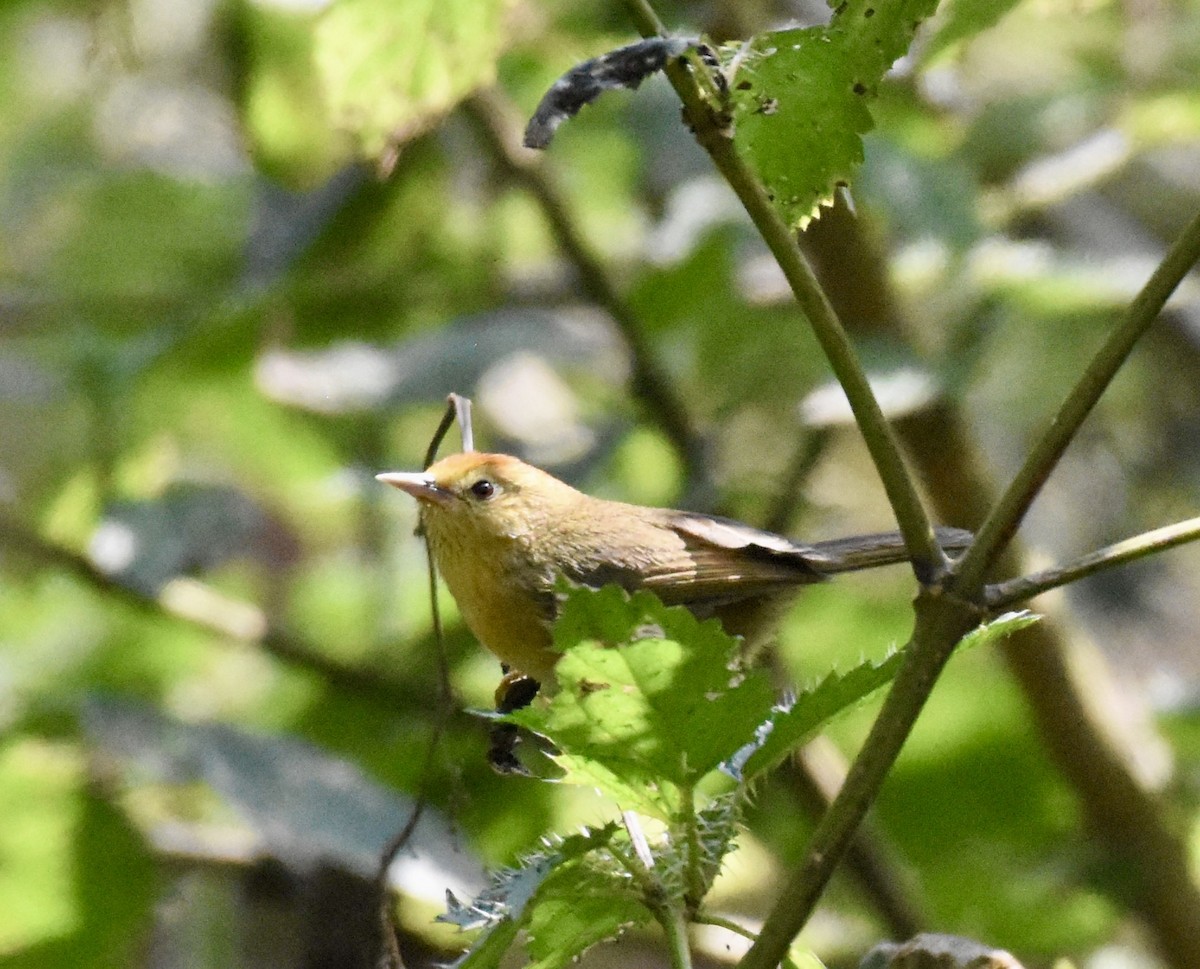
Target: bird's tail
[883, 548]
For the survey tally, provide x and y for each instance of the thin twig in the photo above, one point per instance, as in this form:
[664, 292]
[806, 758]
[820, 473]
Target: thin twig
[943, 617]
[702, 918]
[496, 121]
[1010, 510]
[1004, 594]
[458, 408]
[787, 502]
[1095, 756]
[290, 649]
[928, 559]
[388, 923]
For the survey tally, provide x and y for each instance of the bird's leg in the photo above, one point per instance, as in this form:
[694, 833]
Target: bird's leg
[516, 690]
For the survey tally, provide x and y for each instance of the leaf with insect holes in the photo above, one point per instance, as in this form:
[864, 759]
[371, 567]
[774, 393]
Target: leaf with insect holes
[650, 699]
[793, 723]
[798, 98]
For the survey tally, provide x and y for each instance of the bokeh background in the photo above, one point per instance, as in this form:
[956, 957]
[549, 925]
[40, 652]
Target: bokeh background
[249, 247]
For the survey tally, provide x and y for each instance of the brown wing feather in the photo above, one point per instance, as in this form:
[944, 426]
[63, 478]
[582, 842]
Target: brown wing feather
[720, 562]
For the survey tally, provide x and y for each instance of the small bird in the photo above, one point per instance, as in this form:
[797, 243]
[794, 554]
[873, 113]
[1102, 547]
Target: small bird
[502, 532]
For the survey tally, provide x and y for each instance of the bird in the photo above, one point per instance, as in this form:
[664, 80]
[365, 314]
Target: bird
[503, 533]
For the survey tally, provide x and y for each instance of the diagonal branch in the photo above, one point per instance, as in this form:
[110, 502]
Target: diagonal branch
[1005, 594]
[496, 122]
[230, 620]
[1010, 510]
[927, 558]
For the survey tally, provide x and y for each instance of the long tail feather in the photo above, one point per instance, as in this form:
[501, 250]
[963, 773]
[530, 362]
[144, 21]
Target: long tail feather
[883, 548]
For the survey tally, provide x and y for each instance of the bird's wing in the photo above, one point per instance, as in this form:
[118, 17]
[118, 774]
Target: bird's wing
[723, 561]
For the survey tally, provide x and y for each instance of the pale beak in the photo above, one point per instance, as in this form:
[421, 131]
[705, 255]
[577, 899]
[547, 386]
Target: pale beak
[418, 484]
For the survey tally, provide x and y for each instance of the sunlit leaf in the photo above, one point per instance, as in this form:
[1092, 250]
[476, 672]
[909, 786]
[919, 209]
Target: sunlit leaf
[392, 68]
[793, 723]
[567, 897]
[799, 98]
[646, 692]
[578, 907]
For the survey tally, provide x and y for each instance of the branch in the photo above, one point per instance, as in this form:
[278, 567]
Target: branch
[941, 622]
[997, 531]
[1004, 594]
[496, 122]
[238, 620]
[927, 558]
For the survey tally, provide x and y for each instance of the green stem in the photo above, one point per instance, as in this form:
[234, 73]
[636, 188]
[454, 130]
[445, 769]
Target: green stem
[693, 879]
[667, 911]
[941, 623]
[1004, 594]
[675, 926]
[1009, 511]
[713, 135]
[723, 923]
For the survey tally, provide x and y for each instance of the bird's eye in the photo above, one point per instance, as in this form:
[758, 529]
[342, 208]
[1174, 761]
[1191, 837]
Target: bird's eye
[483, 489]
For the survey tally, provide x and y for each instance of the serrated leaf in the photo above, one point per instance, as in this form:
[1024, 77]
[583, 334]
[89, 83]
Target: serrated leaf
[798, 98]
[576, 908]
[717, 826]
[491, 947]
[792, 724]
[798, 121]
[877, 34]
[392, 68]
[647, 693]
[507, 903]
[632, 789]
[996, 629]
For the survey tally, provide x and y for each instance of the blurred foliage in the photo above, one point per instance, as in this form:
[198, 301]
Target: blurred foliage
[218, 319]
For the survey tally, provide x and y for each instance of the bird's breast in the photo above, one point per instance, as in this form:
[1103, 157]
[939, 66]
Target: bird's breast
[501, 596]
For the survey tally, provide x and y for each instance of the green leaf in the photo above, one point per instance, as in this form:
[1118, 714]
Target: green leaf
[392, 68]
[996, 629]
[717, 826]
[491, 947]
[798, 120]
[792, 724]
[279, 95]
[877, 34]
[568, 897]
[579, 906]
[799, 958]
[798, 98]
[647, 694]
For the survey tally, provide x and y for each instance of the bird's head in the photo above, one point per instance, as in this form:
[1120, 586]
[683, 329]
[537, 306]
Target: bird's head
[476, 495]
